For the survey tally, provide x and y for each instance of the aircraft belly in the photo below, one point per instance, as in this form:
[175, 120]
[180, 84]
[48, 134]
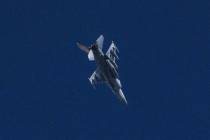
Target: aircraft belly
[107, 69]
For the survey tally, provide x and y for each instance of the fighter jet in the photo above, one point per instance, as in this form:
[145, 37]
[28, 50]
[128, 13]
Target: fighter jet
[106, 67]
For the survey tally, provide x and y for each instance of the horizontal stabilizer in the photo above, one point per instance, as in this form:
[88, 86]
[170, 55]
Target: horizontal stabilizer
[100, 41]
[91, 55]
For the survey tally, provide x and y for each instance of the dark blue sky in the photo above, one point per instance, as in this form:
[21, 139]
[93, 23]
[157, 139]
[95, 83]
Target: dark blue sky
[44, 90]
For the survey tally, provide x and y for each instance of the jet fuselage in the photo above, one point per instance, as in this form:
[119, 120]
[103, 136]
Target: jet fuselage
[107, 69]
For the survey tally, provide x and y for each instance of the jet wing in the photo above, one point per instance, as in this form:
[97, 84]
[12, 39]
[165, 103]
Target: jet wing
[112, 52]
[96, 78]
[100, 41]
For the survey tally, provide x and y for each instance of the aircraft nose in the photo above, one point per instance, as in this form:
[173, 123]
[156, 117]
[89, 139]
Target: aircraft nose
[122, 96]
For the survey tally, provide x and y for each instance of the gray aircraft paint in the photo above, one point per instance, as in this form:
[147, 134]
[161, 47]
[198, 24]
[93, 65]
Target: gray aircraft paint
[106, 71]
